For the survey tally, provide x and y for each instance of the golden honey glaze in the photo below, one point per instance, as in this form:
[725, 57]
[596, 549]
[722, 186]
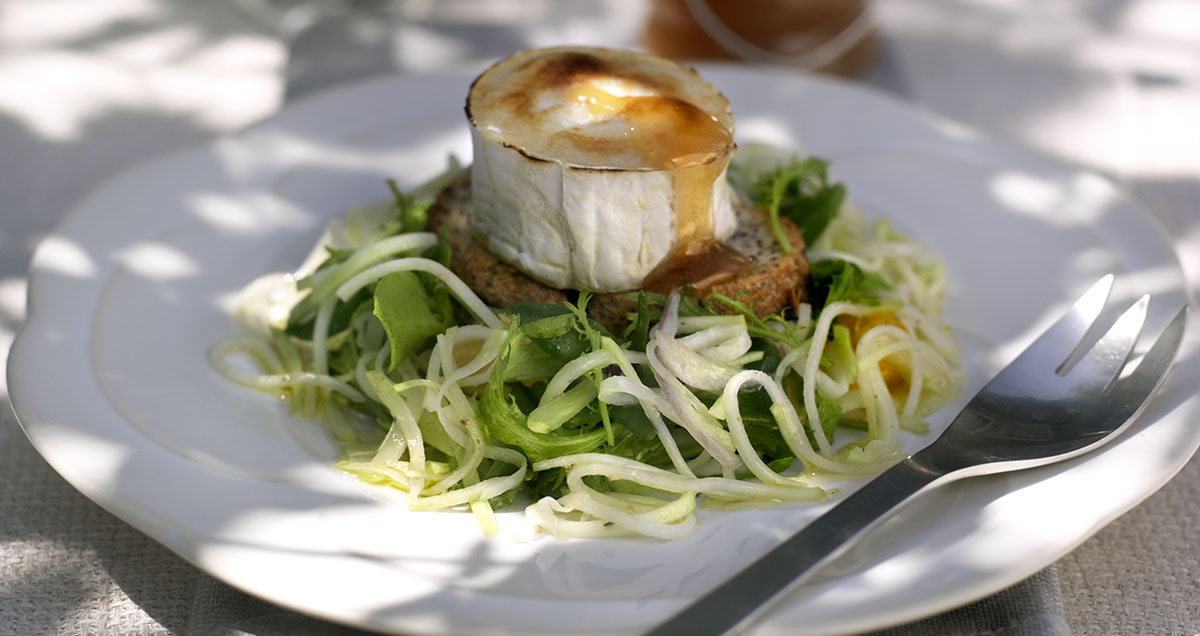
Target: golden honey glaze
[672, 134]
[665, 131]
[618, 110]
[708, 264]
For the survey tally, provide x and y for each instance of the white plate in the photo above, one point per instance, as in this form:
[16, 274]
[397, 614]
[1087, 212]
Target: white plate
[109, 377]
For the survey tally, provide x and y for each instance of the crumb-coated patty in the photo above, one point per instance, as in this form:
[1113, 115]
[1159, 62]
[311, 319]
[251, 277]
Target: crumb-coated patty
[770, 282]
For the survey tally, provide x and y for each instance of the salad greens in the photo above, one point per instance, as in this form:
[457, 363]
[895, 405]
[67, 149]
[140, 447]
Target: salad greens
[800, 191]
[695, 401]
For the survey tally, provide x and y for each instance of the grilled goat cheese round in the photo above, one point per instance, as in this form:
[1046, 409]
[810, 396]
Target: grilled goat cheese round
[593, 167]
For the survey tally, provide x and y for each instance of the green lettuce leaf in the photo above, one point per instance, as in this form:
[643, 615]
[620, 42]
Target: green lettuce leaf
[801, 192]
[836, 280]
[408, 314]
[505, 422]
[555, 329]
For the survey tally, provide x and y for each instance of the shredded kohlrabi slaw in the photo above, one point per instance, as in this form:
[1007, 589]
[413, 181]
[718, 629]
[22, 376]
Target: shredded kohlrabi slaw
[458, 405]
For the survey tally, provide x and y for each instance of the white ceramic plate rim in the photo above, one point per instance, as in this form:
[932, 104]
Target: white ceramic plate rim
[87, 442]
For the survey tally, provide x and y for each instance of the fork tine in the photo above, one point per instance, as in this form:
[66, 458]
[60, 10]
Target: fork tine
[1062, 338]
[1106, 358]
[1149, 374]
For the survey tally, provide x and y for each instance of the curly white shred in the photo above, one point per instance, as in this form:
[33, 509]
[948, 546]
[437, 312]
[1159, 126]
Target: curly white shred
[886, 364]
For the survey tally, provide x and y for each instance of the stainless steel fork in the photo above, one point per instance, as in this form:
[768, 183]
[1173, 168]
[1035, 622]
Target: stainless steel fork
[1057, 400]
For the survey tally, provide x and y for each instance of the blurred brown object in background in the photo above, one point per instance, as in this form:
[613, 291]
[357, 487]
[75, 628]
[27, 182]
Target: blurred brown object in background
[830, 36]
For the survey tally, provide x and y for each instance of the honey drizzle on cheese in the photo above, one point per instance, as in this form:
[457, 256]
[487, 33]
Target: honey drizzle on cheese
[594, 109]
[704, 267]
[692, 187]
[667, 133]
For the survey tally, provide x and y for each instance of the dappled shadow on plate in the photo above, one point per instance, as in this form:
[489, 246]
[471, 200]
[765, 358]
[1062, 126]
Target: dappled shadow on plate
[267, 508]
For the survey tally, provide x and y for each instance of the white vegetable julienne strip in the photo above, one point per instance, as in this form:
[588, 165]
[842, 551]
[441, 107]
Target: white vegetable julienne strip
[577, 368]
[709, 352]
[737, 427]
[624, 358]
[883, 423]
[414, 396]
[831, 387]
[551, 516]
[656, 509]
[363, 334]
[480, 491]
[360, 376]
[463, 417]
[796, 359]
[453, 417]
[789, 424]
[749, 358]
[481, 509]
[797, 440]
[632, 503]
[391, 449]
[545, 514]
[668, 323]
[457, 287]
[789, 360]
[493, 342]
[864, 264]
[653, 404]
[468, 462]
[634, 392]
[899, 341]
[395, 474]
[693, 324]
[895, 340]
[407, 424]
[486, 489]
[932, 331]
[690, 367]
[801, 323]
[687, 411]
[367, 254]
[725, 344]
[622, 468]
[433, 375]
[303, 400]
[812, 364]
[703, 465]
[916, 380]
[405, 368]
[218, 359]
[574, 370]
[669, 530]
[549, 416]
[321, 335]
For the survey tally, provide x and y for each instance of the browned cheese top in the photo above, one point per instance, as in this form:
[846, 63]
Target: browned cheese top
[602, 108]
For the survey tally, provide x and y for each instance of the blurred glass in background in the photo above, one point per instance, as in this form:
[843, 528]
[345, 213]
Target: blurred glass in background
[835, 36]
[358, 37]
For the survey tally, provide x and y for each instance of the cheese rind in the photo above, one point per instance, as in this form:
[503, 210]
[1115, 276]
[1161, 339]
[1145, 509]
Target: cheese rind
[564, 195]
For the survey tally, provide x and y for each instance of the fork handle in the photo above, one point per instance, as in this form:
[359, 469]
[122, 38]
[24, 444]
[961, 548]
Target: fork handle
[734, 604]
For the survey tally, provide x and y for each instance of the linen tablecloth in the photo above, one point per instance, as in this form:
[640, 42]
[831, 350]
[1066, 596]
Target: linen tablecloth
[89, 89]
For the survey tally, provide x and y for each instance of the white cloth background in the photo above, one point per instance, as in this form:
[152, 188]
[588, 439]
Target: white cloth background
[88, 89]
